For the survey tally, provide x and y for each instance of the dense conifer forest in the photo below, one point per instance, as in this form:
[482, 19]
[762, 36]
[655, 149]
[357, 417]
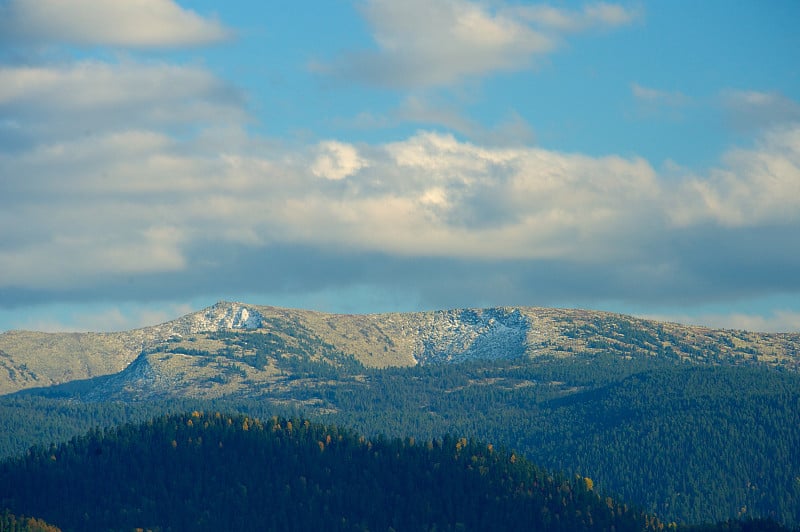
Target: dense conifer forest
[685, 443]
[12, 523]
[217, 472]
[214, 471]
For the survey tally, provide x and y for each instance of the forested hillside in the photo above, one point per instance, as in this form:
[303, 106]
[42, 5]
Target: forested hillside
[686, 443]
[692, 424]
[218, 472]
[12, 523]
[689, 444]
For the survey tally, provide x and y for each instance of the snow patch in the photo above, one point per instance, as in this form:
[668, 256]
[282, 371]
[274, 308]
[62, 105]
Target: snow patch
[226, 316]
[461, 335]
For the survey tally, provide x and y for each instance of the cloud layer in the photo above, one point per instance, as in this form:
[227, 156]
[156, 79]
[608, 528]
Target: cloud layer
[139, 178]
[146, 197]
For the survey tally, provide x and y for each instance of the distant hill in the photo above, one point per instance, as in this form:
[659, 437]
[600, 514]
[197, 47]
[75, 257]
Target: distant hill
[219, 472]
[31, 359]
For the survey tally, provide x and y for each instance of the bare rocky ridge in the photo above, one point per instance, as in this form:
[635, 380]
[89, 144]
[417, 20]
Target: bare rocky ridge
[159, 356]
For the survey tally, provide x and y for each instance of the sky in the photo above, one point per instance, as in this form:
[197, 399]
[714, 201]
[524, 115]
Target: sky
[157, 156]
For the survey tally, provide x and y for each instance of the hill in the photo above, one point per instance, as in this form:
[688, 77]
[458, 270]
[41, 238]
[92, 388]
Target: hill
[689, 444]
[220, 472]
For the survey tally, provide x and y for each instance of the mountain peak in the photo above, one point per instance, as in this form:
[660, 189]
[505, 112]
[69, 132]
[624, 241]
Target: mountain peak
[225, 315]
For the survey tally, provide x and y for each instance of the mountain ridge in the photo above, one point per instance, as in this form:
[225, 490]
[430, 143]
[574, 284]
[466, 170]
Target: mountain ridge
[32, 359]
[641, 407]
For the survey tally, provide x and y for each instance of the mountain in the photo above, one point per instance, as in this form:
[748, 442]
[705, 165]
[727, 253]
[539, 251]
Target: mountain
[692, 424]
[31, 359]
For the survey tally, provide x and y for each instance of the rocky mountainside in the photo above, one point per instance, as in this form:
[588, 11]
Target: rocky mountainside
[229, 346]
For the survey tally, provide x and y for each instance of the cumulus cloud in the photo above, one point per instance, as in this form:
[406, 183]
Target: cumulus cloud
[336, 160]
[514, 202]
[142, 202]
[137, 202]
[132, 23]
[435, 43]
[754, 186]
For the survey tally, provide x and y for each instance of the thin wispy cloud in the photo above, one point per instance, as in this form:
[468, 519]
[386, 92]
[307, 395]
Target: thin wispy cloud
[92, 97]
[593, 15]
[749, 109]
[659, 97]
[129, 24]
[777, 321]
[432, 112]
[424, 43]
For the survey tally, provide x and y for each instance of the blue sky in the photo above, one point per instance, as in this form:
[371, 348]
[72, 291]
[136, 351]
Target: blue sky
[368, 156]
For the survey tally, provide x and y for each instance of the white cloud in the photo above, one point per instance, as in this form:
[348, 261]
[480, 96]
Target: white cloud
[432, 195]
[430, 43]
[136, 201]
[92, 97]
[336, 160]
[134, 169]
[129, 23]
[755, 186]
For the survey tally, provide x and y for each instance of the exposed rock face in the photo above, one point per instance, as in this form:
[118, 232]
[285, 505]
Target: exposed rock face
[226, 316]
[458, 335]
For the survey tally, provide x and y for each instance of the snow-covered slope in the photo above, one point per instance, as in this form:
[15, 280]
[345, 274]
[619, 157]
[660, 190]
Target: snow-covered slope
[224, 315]
[459, 335]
